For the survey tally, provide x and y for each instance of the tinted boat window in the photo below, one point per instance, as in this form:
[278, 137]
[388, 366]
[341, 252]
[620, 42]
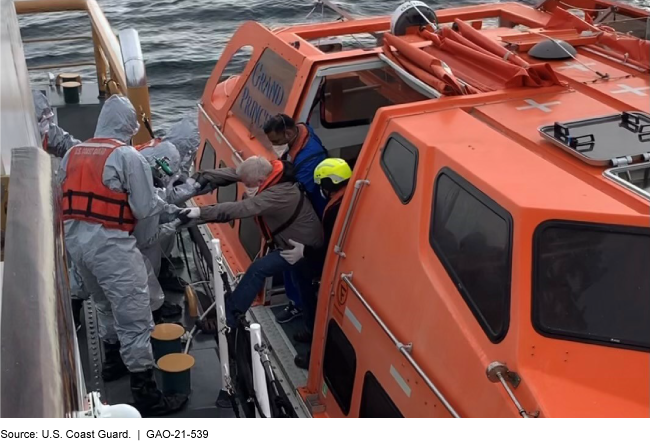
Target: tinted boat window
[227, 194]
[265, 93]
[375, 402]
[208, 157]
[400, 164]
[472, 236]
[339, 366]
[353, 98]
[592, 283]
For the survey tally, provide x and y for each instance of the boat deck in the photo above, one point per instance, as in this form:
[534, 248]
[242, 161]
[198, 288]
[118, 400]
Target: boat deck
[205, 375]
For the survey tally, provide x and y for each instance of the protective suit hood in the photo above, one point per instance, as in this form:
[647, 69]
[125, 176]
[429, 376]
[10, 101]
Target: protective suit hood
[164, 149]
[117, 120]
[185, 137]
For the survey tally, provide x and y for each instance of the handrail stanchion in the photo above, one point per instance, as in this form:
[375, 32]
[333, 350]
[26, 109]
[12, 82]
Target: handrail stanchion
[222, 327]
[259, 376]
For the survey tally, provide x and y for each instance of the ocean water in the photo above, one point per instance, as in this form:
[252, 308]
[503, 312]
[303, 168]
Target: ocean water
[183, 39]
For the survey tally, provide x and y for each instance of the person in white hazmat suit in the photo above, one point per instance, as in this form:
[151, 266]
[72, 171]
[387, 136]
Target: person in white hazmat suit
[153, 238]
[56, 140]
[156, 235]
[107, 186]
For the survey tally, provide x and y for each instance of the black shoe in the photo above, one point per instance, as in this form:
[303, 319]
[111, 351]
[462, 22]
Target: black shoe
[174, 284]
[288, 314]
[113, 367]
[302, 361]
[177, 262]
[302, 337]
[149, 400]
[170, 310]
[157, 316]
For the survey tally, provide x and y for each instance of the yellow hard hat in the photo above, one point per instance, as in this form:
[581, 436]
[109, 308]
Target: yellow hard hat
[336, 169]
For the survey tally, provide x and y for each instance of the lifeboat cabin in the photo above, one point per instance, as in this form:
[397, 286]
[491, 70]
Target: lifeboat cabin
[490, 258]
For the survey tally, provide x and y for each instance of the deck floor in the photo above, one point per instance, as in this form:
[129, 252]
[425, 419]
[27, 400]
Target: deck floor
[205, 375]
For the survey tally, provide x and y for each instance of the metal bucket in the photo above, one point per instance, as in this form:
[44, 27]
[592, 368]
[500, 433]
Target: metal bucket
[175, 370]
[166, 339]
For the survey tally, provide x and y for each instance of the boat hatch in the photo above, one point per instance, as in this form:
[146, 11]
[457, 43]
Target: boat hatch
[621, 140]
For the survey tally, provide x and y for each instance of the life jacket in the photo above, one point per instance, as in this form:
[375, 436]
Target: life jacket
[334, 199]
[282, 172]
[85, 196]
[150, 144]
[299, 144]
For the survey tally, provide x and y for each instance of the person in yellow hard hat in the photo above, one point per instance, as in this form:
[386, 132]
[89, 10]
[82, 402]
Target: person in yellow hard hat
[332, 176]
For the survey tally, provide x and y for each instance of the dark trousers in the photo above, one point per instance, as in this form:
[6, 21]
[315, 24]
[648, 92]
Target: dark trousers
[302, 276]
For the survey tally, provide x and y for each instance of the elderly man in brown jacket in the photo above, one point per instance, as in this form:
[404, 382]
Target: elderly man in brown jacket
[282, 212]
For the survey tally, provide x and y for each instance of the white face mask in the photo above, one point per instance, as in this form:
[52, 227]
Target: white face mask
[280, 149]
[251, 192]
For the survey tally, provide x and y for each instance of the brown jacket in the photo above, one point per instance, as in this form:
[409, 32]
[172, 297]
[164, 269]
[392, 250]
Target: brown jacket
[275, 205]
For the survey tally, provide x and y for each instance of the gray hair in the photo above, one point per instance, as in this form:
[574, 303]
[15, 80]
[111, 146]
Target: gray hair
[254, 169]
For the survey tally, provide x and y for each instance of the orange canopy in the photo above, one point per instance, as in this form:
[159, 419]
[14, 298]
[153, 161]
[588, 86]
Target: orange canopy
[482, 63]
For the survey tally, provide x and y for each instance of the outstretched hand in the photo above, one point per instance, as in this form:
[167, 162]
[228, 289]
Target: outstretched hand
[186, 215]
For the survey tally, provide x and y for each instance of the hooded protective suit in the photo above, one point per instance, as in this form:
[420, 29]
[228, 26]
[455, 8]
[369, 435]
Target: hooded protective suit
[184, 135]
[179, 147]
[108, 260]
[153, 238]
[56, 141]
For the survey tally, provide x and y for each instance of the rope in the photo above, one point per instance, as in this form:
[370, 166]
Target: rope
[313, 9]
[424, 16]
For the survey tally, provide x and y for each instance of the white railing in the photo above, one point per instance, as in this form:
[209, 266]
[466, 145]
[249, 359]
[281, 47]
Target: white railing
[222, 327]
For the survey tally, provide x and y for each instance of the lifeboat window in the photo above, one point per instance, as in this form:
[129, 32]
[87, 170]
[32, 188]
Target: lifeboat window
[375, 402]
[353, 98]
[339, 366]
[230, 76]
[250, 237]
[265, 93]
[472, 236]
[591, 283]
[208, 158]
[227, 194]
[400, 163]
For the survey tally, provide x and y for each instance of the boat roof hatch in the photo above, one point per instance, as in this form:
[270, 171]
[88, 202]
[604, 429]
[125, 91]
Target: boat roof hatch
[618, 139]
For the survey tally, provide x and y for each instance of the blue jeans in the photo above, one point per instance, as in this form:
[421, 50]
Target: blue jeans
[291, 290]
[253, 281]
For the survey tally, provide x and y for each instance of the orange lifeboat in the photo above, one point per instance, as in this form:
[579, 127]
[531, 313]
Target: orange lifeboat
[491, 252]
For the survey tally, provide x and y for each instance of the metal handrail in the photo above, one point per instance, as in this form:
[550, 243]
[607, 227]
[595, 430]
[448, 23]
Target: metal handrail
[107, 39]
[109, 64]
[221, 134]
[338, 249]
[497, 372]
[405, 350]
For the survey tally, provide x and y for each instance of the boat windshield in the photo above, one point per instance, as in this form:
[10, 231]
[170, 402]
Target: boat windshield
[592, 283]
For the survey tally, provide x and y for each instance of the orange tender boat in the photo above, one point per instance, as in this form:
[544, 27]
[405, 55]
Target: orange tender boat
[491, 255]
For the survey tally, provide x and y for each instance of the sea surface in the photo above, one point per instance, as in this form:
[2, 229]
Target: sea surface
[183, 39]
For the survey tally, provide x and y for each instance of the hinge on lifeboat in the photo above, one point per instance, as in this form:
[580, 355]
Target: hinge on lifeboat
[498, 372]
[622, 161]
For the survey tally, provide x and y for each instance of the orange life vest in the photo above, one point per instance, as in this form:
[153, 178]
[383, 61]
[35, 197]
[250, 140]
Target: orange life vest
[300, 142]
[85, 196]
[272, 179]
[334, 198]
[150, 144]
